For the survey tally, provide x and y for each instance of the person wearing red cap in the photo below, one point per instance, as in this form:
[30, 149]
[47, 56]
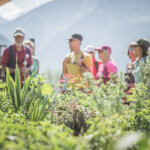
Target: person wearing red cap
[108, 66]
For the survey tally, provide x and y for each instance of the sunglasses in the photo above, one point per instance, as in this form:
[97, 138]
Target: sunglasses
[73, 40]
[131, 49]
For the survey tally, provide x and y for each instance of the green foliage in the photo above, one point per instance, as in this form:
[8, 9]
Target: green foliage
[17, 86]
[14, 89]
[145, 74]
[102, 134]
[38, 99]
[11, 89]
[26, 88]
[4, 103]
[37, 118]
[137, 117]
[72, 115]
[32, 107]
[19, 134]
[38, 111]
[107, 96]
[133, 141]
[2, 85]
[52, 78]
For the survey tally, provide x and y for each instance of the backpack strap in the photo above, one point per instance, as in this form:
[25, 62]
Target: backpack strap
[28, 52]
[11, 56]
[105, 74]
[96, 65]
[11, 63]
[82, 57]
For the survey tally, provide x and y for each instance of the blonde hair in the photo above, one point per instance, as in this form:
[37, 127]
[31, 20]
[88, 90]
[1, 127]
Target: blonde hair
[30, 43]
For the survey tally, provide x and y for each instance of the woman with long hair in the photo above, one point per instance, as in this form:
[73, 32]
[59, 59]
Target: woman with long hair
[141, 50]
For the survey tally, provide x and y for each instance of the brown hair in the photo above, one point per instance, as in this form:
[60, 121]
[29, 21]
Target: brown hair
[145, 50]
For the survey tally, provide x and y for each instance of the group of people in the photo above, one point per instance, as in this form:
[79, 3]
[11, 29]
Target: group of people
[137, 52]
[20, 53]
[77, 61]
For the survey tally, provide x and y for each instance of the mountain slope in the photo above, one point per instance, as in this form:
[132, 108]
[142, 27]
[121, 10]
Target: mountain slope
[100, 22]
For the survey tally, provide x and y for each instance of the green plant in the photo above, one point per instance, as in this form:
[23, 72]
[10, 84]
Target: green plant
[107, 96]
[33, 107]
[17, 96]
[18, 133]
[38, 113]
[4, 103]
[133, 141]
[102, 134]
[37, 118]
[72, 115]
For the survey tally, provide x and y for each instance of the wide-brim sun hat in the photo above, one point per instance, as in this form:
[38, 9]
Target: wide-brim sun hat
[142, 42]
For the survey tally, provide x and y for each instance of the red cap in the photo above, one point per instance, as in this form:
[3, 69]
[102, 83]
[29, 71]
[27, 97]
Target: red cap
[104, 48]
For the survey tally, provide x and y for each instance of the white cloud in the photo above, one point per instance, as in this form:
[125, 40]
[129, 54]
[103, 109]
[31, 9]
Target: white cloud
[10, 11]
[15, 8]
[40, 2]
[88, 8]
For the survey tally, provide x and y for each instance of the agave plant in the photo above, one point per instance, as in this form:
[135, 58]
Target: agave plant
[16, 95]
[38, 113]
[35, 107]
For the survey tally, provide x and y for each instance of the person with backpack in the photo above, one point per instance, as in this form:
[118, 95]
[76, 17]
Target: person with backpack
[30, 44]
[18, 54]
[108, 67]
[129, 78]
[90, 50]
[77, 62]
[141, 50]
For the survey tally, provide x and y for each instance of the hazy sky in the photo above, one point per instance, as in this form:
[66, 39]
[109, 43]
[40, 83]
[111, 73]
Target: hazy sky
[112, 22]
[15, 8]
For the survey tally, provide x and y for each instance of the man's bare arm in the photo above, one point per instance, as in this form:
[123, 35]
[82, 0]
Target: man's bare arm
[11, 70]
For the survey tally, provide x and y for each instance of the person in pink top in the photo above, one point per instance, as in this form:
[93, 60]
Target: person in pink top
[108, 66]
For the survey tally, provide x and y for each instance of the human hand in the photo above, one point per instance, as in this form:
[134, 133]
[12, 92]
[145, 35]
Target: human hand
[80, 61]
[23, 70]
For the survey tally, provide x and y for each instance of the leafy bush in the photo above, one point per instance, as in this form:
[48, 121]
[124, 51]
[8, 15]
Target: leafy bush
[102, 134]
[20, 134]
[37, 118]
[72, 115]
[32, 99]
